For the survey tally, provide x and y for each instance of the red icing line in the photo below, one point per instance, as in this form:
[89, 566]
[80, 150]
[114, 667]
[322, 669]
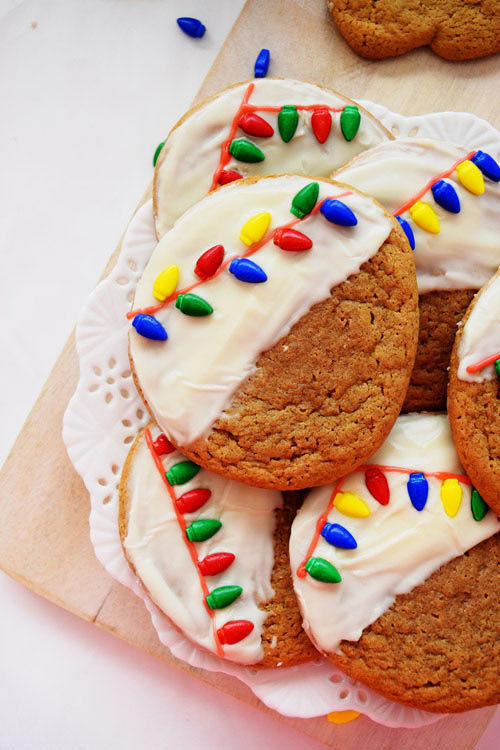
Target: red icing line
[189, 545]
[251, 250]
[224, 152]
[409, 203]
[483, 363]
[301, 570]
[304, 107]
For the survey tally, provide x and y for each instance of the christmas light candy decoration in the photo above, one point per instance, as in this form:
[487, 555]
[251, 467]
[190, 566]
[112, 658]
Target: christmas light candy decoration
[191, 304]
[157, 152]
[377, 485]
[262, 63]
[191, 26]
[253, 124]
[150, 328]
[209, 261]
[200, 531]
[338, 213]
[488, 166]
[408, 231]
[321, 122]
[322, 570]
[193, 500]
[351, 505]
[244, 150]
[227, 176]
[350, 120]
[234, 631]
[223, 596]
[425, 217]
[446, 196]
[470, 176]
[216, 563]
[292, 240]
[182, 472]
[255, 228]
[338, 536]
[165, 283]
[418, 490]
[305, 200]
[162, 445]
[451, 496]
[478, 506]
[248, 271]
[288, 119]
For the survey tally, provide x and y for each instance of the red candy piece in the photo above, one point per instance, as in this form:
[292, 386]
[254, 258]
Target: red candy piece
[234, 631]
[321, 121]
[255, 125]
[192, 500]
[162, 445]
[229, 175]
[376, 484]
[213, 564]
[290, 239]
[208, 263]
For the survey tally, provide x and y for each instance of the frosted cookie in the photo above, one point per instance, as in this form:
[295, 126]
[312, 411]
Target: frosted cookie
[387, 580]
[473, 396]
[212, 554]
[266, 126]
[454, 29]
[290, 308]
[447, 198]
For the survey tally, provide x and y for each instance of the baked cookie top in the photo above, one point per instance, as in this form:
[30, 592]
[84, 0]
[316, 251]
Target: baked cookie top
[473, 392]
[281, 244]
[206, 549]
[266, 126]
[454, 29]
[448, 200]
[382, 530]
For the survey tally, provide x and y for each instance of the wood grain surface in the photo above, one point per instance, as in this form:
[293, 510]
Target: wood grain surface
[44, 538]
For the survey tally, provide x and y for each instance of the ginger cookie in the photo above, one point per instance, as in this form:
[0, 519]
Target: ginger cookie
[281, 352]
[447, 198]
[265, 126]
[212, 554]
[474, 393]
[396, 575]
[454, 29]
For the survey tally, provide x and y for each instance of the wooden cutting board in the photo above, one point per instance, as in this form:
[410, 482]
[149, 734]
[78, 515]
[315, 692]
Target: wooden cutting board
[44, 537]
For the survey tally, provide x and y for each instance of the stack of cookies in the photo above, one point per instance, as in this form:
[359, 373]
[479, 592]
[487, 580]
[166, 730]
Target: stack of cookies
[300, 488]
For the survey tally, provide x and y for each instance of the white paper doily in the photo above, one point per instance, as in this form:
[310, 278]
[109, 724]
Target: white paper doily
[105, 414]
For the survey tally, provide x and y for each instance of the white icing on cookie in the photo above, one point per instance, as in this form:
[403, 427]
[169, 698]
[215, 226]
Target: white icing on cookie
[398, 546]
[190, 379]
[481, 334]
[466, 252]
[192, 151]
[156, 548]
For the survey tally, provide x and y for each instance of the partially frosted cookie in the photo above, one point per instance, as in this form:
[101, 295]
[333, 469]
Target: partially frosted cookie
[290, 307]
[266, 126]
[448, 200]
[212, 554]
[474, 392]
[387, 580]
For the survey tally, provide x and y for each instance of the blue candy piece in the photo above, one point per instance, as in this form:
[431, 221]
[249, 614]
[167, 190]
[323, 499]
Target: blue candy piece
[338, 536]
[149, 327]
[247, 270]
[446, 196]
[338, 213]
[262, 63]
[408, 231]
[487, 164]
[418, 490]
[191, 26]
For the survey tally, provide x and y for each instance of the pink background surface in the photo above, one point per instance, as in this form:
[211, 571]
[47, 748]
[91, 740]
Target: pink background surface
[111, 77]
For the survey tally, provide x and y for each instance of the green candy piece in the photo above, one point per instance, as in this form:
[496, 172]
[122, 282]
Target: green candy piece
[349, 121]
[223, 596]
[478, 507]
[203, 529]
[497, 367]
[244, 150]
[305, 200]
[191, 304]
[288, 119]
[322, 570]
[182, 472]
[157, 152]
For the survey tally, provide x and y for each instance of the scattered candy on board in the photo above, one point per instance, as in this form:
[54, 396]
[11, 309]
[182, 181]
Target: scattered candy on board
[191, 26]
[262, 63]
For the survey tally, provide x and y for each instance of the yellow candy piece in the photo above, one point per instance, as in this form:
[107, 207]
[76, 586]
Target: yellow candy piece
[351, 505]
[342, 717]
[425, 217]
[451, 496]
[255, 228]
[166, 283]
[471, 178]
